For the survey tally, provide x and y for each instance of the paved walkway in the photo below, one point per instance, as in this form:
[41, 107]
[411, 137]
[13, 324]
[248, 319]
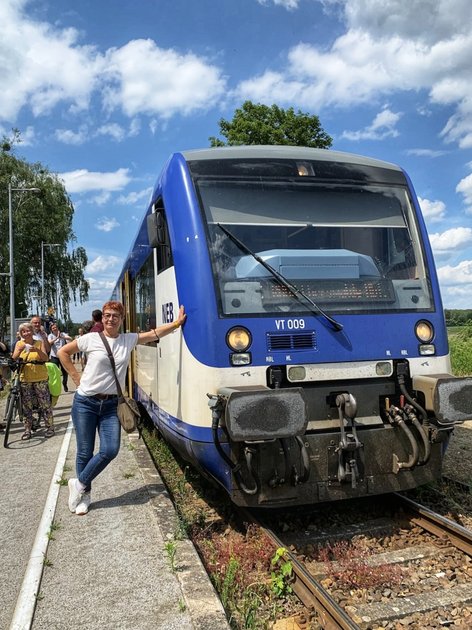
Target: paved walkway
[108, 569]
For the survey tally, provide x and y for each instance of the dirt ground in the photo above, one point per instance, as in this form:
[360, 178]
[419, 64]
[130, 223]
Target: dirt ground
[458, 459]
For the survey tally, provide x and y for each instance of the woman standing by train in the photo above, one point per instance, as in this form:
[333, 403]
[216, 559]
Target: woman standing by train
[94, 409]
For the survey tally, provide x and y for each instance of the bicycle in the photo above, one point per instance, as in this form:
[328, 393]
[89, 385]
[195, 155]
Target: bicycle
[13, 406]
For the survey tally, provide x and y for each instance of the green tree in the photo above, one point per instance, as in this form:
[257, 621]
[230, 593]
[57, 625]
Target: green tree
[260, 124]
[45, 217]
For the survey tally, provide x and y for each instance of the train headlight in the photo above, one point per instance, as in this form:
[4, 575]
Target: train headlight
[239, 339]
[383, 368]
[424, 331]
[240, 358]
[427, 349]
[296, 373]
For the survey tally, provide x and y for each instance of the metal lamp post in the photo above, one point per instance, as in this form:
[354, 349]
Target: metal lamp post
[11, 272]
[43, 245]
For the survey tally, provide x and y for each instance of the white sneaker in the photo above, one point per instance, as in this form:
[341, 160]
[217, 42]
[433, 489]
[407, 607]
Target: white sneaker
[75, 497]
[84, 504]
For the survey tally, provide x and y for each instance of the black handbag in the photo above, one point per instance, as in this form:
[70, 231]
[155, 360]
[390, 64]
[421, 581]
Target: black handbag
[127, 409]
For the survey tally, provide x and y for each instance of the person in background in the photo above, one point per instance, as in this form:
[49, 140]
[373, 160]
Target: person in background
[40, 333]
[97, 321]
[33, 380]
[4, 354]
[77, 357]
[94, 409]
[86, 327]
[57, 339]
[4, 371]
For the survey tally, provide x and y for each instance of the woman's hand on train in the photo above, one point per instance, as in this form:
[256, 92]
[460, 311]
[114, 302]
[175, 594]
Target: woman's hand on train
[161, 331]
[181, 317]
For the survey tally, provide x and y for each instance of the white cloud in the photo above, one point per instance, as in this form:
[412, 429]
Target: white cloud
[388, 47]
[417, 19]
[41, 65]
[287, 4]
[426, 152]
[465, 188]
[143, 78]
[106, 224]
[44, 66]
[461, 274]
[153, 126]
[101, 199]
[82, 180]
[134, 127]
[67, 136]
[432, 210]
[451, 240]
[113, 130]
[383, 126]
[133, 198]
[102, 264]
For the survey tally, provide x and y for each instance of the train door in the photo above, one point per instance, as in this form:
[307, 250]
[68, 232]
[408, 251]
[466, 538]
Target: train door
[165, 291]
[129, 324]
[142, 296]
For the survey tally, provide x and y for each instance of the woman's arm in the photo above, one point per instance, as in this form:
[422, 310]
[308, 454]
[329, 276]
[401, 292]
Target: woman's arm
[44, 337]
[161, 331]
[64, 355]
[18, 349]
[42, 352]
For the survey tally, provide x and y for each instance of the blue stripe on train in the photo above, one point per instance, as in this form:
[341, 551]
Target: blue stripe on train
[196, 442]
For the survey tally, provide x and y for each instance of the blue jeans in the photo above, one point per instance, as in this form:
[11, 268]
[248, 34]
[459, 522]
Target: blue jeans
[90, 415]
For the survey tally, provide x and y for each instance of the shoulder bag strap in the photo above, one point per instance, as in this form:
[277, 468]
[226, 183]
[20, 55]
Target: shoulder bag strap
[112, 361]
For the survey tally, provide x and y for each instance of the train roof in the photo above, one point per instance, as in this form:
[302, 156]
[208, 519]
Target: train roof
[284, 152]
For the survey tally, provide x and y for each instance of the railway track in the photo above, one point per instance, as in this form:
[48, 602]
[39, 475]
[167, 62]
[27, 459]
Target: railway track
[404, 564]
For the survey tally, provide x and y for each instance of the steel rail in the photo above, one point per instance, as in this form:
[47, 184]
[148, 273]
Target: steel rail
[312, 594]
[440, 526]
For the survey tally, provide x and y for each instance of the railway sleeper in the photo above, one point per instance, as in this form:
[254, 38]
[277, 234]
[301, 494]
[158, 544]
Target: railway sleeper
[368, 614]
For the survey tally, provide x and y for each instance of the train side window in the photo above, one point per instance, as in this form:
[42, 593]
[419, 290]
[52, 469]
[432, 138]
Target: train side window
[163, 250]
[145, 297]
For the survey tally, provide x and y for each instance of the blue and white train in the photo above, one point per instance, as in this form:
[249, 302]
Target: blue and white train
[314, 363]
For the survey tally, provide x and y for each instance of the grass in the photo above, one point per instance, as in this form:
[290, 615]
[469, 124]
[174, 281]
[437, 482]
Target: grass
[54, 527]
[460, 344]
[171, 550]
[348, 565]
[237, 558]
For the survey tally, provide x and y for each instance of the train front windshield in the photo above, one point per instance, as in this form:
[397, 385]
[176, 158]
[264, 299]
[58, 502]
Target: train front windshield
[350, 248]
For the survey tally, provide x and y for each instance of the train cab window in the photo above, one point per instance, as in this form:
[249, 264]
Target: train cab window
[350, 247]
[164, 250]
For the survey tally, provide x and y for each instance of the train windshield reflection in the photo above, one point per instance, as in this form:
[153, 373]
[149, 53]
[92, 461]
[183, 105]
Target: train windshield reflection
[350, 248]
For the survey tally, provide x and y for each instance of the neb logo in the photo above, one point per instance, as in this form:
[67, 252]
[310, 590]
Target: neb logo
[167, 313]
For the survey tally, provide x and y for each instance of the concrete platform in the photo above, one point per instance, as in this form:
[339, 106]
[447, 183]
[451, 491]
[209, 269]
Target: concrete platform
[108, 569]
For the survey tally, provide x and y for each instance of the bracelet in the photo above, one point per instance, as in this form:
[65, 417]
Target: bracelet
[156, 335]
[177, 324]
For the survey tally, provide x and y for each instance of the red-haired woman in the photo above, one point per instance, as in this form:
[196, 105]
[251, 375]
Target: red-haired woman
[94, 408]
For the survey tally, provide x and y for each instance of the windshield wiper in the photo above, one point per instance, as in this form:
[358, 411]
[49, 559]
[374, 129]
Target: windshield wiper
[295, 291]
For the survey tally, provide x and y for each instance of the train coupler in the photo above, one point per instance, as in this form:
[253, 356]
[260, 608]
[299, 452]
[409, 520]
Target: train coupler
[349, 446]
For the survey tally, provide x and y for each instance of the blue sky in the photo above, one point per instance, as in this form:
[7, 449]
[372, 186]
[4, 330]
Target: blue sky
[104, 91]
